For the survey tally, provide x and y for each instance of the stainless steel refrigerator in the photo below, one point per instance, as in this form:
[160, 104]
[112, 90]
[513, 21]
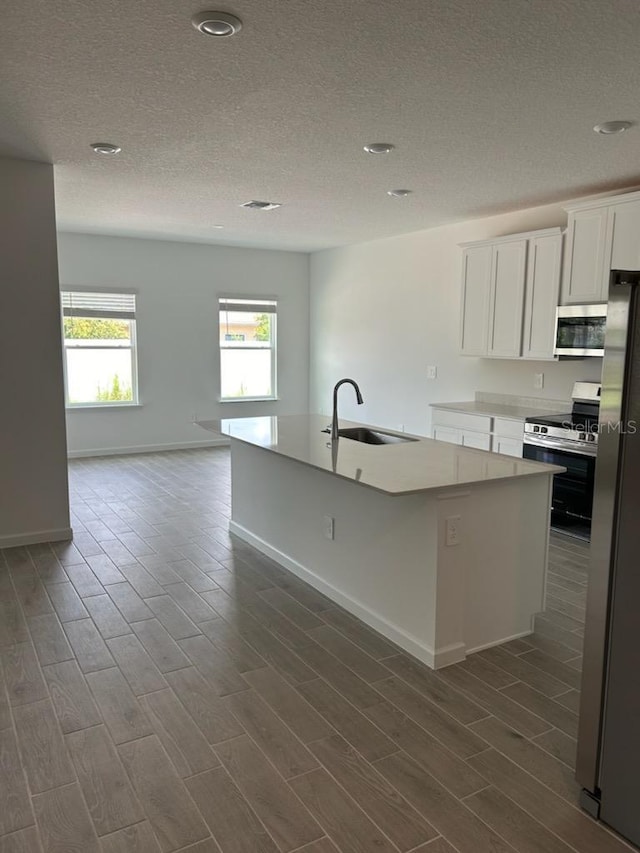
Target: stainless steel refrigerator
[608, 764]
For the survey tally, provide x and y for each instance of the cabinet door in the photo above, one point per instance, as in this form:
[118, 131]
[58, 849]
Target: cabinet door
[453, 436]
[474, 313]
[584, 269]
[541, 299]
[507, 446]
[624, 227]
[479, 440]
[507, 299]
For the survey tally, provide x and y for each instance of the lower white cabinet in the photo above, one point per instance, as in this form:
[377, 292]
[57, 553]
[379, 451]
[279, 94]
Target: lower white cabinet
[464, 437]
[500, 435]
[479, 440]
[507, 446]
[445, 433]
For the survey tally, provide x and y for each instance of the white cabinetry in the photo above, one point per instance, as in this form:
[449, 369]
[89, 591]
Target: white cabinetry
[541, 298]
[507, 446]
[601, 236]
[448, 434]
[624, 237]
[507, 436]
[501, 435]
[462, 428]
[509, 294]
[479, 440]
[508, 270]
[476, 288]
[583, 278]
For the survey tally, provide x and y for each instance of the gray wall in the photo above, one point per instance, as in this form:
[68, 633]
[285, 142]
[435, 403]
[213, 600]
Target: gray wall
[34, 504]
[178, 285]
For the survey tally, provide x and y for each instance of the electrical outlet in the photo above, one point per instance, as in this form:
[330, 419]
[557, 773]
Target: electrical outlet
[432, 371]
[453, 534]
[400, 427]
[193, 417]
[538, 381]
[328, 527]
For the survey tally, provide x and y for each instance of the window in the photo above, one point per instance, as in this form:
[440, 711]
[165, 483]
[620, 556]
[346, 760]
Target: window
[247, 349]
[99, 348]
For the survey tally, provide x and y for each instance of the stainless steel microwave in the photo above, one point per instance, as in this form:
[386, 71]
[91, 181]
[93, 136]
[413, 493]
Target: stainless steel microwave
[580, 330]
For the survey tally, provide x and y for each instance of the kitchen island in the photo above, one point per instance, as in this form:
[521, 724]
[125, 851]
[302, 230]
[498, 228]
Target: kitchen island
[440, 548]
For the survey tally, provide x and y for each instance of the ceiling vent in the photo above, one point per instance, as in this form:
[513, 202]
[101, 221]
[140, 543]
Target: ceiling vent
[261, 205]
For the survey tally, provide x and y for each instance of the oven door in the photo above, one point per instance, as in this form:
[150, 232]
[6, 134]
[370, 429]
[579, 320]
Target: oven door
[573, 489]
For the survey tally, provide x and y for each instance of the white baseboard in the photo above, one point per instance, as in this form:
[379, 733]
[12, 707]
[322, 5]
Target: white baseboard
[62, 534]
[146, 448]
[500, 642]
[432, 658]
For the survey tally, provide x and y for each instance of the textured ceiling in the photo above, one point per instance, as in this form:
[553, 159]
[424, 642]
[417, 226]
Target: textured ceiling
[489, 102]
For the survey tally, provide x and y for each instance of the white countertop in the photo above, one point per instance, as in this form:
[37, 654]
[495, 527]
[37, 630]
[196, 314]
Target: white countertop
[395, 469]
[497, 410]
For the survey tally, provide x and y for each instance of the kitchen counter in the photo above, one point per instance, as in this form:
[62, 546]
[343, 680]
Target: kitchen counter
[497, 410]
[411, 467]
[440, 548]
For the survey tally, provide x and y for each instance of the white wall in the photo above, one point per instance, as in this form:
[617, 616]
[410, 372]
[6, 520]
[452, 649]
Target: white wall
[178, 285]
[34, 503]
[382, 311]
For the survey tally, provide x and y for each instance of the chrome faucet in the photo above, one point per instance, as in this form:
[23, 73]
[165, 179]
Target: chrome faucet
[334, 420]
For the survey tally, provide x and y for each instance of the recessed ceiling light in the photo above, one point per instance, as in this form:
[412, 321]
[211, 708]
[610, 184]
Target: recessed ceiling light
[379, 148]
[105, 148]
[219, 24]
[261, 205]
[399, 193]
[217, 226]
[608, 128]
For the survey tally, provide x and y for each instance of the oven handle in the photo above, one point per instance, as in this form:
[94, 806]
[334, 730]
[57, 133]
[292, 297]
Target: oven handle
[579, 448]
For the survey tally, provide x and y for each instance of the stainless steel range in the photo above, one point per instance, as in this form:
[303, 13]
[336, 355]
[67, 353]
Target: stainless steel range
[570, 440]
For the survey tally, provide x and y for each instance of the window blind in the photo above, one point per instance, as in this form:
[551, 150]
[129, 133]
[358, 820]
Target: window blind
[117, 306]
[265, 306]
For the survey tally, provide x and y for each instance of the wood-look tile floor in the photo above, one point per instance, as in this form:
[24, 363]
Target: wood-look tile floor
[166, 688]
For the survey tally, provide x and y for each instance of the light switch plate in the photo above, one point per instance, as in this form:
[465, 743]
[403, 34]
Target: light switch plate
[432, 371]
[453, 533]
[328, 527]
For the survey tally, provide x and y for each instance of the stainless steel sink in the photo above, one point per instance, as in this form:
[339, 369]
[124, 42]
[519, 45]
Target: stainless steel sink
[372, 436]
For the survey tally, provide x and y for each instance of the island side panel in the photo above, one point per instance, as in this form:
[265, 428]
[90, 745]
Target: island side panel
[505, 537]
[390, 563]
[382, 564]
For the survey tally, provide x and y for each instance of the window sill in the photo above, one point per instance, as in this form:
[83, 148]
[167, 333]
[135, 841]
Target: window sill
[97, 407]
[247, 399]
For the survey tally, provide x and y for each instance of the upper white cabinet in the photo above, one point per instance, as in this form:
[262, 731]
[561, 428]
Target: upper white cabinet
[601, 236]
[476, 289]
[508, 270]
[544, 268]
[510, 289]
[624, 236]
[582, 282]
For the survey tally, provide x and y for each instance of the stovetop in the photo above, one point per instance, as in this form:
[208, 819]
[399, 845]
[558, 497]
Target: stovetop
[569, 421]
[576, 431]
